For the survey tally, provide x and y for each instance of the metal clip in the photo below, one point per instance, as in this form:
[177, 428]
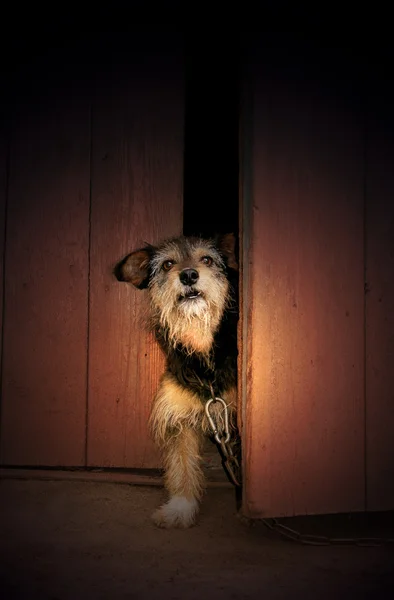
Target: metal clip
[229, 461]
[215, 431]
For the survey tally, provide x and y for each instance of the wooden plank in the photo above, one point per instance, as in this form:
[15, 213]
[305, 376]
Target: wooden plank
[379, 307]
[3, 198]
[304, 425]
[245, 188]
[45, 328]
[136, 198]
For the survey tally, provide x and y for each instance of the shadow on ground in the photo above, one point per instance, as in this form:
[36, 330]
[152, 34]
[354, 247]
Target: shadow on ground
[70, 540]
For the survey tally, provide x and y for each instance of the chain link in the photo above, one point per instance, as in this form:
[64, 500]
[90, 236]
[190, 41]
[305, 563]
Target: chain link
[321, 540]
[229, 461]
[232, 468]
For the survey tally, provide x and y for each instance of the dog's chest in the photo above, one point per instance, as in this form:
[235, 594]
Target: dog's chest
[200, 376]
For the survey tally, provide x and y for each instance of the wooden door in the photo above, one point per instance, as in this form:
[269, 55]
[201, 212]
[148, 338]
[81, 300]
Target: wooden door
[303, 310]
[137, 164]
[46, 275]
[95, 171]
[3, 195]
[380, 297]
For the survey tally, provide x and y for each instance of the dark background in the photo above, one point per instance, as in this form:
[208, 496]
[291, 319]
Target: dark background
[217, 60]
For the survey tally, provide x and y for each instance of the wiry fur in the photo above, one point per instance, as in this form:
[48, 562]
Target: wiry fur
[191, 324]
[195, 323]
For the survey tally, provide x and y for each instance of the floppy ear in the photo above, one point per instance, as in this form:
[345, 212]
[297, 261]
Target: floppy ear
[226, 245]
[134, 268]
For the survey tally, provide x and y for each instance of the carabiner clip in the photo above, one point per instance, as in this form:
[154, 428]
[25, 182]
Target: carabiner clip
[212, 422]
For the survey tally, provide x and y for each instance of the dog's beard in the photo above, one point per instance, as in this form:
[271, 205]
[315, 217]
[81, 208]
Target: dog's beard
[191, 322]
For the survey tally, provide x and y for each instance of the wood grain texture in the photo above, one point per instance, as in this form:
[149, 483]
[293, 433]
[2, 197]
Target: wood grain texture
[245, 202]
[45, 328]
[379, 309]
[3, 199]
[136, 198]
[304, 425]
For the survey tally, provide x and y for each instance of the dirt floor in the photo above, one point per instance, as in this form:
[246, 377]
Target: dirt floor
[73, 539]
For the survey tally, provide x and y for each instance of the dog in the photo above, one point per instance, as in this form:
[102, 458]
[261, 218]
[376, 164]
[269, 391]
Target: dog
[192, 285]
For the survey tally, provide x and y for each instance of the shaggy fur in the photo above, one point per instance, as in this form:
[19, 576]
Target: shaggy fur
[193, 296]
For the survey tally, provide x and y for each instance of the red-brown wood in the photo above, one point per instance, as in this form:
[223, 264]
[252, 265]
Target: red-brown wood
[136, 198]
[304, 425]
[46, 282]
[3, 193]
[379, 312]
[244, 214]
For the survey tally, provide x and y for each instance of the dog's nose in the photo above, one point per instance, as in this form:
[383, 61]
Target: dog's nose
[188, 276]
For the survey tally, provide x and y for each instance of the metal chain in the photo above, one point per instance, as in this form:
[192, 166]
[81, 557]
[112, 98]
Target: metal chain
[229, 461]
[232, 468]
[321, 540]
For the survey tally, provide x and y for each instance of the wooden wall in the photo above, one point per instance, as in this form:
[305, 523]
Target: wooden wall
[95, 170]
[317, 385]
[46, 285]
[379, 275]
[137, 163]
[3, 196]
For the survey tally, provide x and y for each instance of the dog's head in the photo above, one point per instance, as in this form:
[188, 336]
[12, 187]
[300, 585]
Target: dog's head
[188, 281]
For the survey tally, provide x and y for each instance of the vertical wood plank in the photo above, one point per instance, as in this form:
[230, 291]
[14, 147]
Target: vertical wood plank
[379, 307]
[304, 425]
[3, 193]
[245, 203]
[136, 198]
[45, 328]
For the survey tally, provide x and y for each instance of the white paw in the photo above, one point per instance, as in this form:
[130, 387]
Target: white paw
[177, 512]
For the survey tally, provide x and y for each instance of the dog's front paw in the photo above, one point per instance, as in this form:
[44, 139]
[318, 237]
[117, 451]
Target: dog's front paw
[177, 512]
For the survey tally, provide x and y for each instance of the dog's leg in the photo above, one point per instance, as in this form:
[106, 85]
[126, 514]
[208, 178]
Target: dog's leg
[184, 480]
[176, 425]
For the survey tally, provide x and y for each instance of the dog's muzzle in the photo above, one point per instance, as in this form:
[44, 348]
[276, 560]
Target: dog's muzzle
[189, 276]
[190, 294]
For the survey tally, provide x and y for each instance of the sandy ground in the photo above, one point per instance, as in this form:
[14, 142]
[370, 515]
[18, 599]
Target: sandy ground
[70, 540]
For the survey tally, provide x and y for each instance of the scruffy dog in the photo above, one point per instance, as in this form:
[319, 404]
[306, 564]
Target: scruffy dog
[192, 285]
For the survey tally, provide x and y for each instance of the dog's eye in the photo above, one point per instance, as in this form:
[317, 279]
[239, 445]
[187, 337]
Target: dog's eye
[207, 260]
[167, 265]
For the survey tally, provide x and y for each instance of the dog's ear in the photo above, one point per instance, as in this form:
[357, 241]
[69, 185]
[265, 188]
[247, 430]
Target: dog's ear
[226, 245]
[134, 268]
